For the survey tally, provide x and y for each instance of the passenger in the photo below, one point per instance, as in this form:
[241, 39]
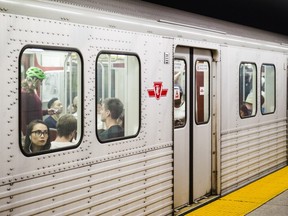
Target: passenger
[262, 102]
[31, 104]
[244, 112]
[249, 103]
[74, 106]
[37, 138]
[179, 106]
[100, 123]
[248, 84]
[66, 131]
[111, 110]
[56, 105]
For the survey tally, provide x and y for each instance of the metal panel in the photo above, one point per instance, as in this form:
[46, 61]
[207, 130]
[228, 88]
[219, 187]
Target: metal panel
[132, 176]
[250, 151]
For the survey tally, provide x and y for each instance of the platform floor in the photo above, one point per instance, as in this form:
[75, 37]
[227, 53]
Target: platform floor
[266, 196]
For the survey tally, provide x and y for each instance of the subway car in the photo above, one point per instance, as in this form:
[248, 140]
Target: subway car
[201, 104]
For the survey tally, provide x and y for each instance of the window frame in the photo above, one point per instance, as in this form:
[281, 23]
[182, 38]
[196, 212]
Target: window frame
[185, 95]
[256, 89]
[109, 52]
[273, 65]
[59, 49]
[197, 122]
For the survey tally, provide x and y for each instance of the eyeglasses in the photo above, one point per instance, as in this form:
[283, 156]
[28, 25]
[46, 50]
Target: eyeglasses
[40, 133]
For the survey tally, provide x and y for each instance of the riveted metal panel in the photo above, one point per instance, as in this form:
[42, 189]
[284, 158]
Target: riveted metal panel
[129, 176]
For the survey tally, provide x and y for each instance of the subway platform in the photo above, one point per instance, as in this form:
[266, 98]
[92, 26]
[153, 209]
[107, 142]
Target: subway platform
[266, 196]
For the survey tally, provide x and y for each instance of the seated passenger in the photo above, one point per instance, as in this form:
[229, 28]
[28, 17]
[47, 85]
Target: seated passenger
[56, 105]
[66, 131]
[37, 137]
[111, 110]
[244, 112]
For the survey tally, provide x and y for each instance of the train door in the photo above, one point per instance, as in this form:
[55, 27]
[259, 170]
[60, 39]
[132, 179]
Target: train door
[192, 125]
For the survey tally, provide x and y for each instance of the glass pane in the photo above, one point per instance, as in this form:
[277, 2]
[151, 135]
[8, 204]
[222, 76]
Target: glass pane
[202, 86]
[267, 89]
[247, 90]
[179, 93]
[118, 96]
[49, 117]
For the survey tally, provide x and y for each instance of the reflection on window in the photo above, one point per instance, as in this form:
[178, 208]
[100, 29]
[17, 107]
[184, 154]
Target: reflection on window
[179, 93]
[247, 90]
[267, 89]
[202, 86]
[118, 100]
[50, 85]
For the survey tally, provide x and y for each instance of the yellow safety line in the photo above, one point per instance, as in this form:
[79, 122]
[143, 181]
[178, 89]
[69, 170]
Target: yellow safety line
[248, 198]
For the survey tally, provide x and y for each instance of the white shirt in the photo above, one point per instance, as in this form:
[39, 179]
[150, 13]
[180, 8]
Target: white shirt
[55, 144]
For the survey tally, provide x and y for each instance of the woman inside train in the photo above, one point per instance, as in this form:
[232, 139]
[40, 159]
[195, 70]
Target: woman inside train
[31, 104]
[37, 137]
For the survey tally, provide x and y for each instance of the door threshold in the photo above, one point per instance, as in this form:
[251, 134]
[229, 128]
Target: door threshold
[181, 211]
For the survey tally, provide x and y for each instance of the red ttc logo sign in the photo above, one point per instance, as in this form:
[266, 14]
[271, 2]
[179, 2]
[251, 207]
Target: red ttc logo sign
[158, 91]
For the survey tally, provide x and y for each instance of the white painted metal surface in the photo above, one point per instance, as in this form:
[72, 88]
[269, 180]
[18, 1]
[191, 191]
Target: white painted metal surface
[134, 176]
[125, 177]
[252, 147]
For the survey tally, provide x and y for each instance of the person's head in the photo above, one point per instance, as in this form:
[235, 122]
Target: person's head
[37, 136]
[67, 127]
[111, 108]
[178, 93]
[34, 77]
[56, 104]
[244, 111]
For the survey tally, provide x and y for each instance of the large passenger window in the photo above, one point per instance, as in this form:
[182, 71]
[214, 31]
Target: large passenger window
[179, 93]
[50, 99]
[118, 96]
[268, 88]
[247, 90]
[202, 86]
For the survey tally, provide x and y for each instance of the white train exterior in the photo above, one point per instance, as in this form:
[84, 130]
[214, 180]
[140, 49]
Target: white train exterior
[156, 168]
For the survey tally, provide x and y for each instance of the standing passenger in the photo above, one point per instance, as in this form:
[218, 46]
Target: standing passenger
[31, 104]
[56, 105]
[111, 110]
[37, 137]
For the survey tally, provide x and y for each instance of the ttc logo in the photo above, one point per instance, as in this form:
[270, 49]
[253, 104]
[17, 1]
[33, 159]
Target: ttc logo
[157, 91]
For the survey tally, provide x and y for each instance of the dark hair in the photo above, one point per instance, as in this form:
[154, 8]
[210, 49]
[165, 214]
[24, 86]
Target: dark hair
[27, 141]
[245, 110]
[50, 103]
[115, 106]
[66, 125]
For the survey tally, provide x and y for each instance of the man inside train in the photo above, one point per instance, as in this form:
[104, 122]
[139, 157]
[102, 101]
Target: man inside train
[66, 131]
[111, 111]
